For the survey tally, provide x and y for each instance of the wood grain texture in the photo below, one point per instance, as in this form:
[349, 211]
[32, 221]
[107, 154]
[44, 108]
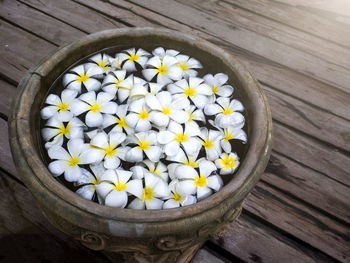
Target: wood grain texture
[7, 93]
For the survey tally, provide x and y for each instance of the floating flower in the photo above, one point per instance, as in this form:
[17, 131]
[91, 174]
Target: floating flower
[68, 162]
[80, 75]
[127, 86]
[106, 148]
[193, 89]
[111, 82]
[139, 117]
[95, 105]
[228, 163]
[202, 184]
[155, 189]
[161, 52]
[88, 181]
[217, 85]
[56, 130]
[115, 185]
[165, 69]
[154, 88]
[131, 56]
[146, 143]
[59, 106]
[175, 136]
[225, 112]
[118, 121]
[232, 133]
[164, 109]
[211, 143]
[116, 62]
[177, 198]
[99, 61]
[188, 65]
[159, 169]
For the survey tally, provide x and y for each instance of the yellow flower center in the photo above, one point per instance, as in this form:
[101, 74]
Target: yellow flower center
[110, 151]
[121, 123]
[177, 197]
[228, 136]
[228, 162]
[133, 57]
[93, 146]
[191, 117]
[162, 70]
[226, 111]
[95, 181]
[95, 107]
[73, 161]
[191, 163]
[200, 181]
[207, 144]
[214, 89]
[147, 194]
[189, 92]
[117, 83]
[155, 171]
[120, 186]
[62, 106]
[143, 145]
[166, 111]
[143, 115]
[82, 78]
[183, 66]
[102, 64]
[181, 137]
[63, 130]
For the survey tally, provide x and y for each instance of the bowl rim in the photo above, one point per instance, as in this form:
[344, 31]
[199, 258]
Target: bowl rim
[240, 185]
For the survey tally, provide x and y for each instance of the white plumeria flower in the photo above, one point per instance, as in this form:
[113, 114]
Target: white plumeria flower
[194, 114]
[165, 69]
[56, 130]
[146, 143]
[217, 85]
[111, 83]
[131, 56]
[182, 158]
[193, 89]
[188, 65]
[161, 52]
[159, 169]
[68, 162]
[225, 112]
[175, 136]
[164, 109]
[95, 105]
[100, 61]
[116, 62]
[155, 189]
[107, 150]
[202, 184]
[59, 106]
[127, 86]
[211, 143]
[154, 88]
[232, 133]
[227, 163]
[118, 120]
[115, 185]
[80, 75]
[177, 198]
[88, 181]
[139, 116]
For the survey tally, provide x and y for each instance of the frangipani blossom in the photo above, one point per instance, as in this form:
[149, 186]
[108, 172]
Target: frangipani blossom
[188, 65]
[202, 184]
[139, 116]
[159, 169]
[178, 198]
[146, 143]
[56, 130]
[161, 52]
[211, 143]
[118, 120]
[195, 115]
[193, 89]
[88, 181]
[116, 62]
[131, 56]
[99, 61]
[225, 112]
[95, 105]
[155, 189]
[127, 86]
[112, 80]
[154, 88]
[227, 163]
[81, 75]
[165, 69]
[106, 148]
[217, 85]
[164, 109]
[115, 185]
[182, 158]
[175, 136]
[232, 133]
[68, 162]
[59, 106]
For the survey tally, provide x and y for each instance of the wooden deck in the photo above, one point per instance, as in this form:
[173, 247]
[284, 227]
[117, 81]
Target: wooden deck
[300, 53]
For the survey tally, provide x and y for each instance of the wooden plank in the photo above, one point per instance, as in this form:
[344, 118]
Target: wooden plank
[7, 93]
[299, 221]
[258, 44]
[203, 255]
[6, 161]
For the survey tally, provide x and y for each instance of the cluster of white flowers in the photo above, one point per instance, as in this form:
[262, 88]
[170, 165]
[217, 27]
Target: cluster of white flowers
[142, 131]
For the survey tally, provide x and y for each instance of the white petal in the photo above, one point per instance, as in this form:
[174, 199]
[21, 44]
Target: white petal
[203, 192]
[191, 129]
[57, 152]
[175, 73]
[134, 155]
[78, 107]
[164, 137]
[215, 182]
[72, 174]
[94, 119]
[212, 109]
[179, 116]
[75, 146]
[149, 73]
[116, 199]
[57, 167]
[132, 119]
[225, 91]
[186, 187]
[65, 115]
[74, 85]
[137, 204]
[154, 203]
[226, 146]
[103, 189]
[153, 102]
[143, 125]
[86, 192]
[159, 119]
[100, 140]
[236, 105]
[172, 148]
[170, 204]
[94, 71]
[116, 138]
[112, 162]
[206, 168]
[90, 155]
[129, 66]
[138, 172]
[92, 84]
[53, 99]
[109, 107]
[153, 153]
[134, 187]
[58, 140]
[204, 89]
[221, 78]
[48, 112]
[68, 78]
[48, 133]
[200, 100]
[185, 172]
[175, 127]
[97, 169]
[189, 200]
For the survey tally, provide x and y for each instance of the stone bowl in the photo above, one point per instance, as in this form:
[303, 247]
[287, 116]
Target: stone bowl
[172, 235]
